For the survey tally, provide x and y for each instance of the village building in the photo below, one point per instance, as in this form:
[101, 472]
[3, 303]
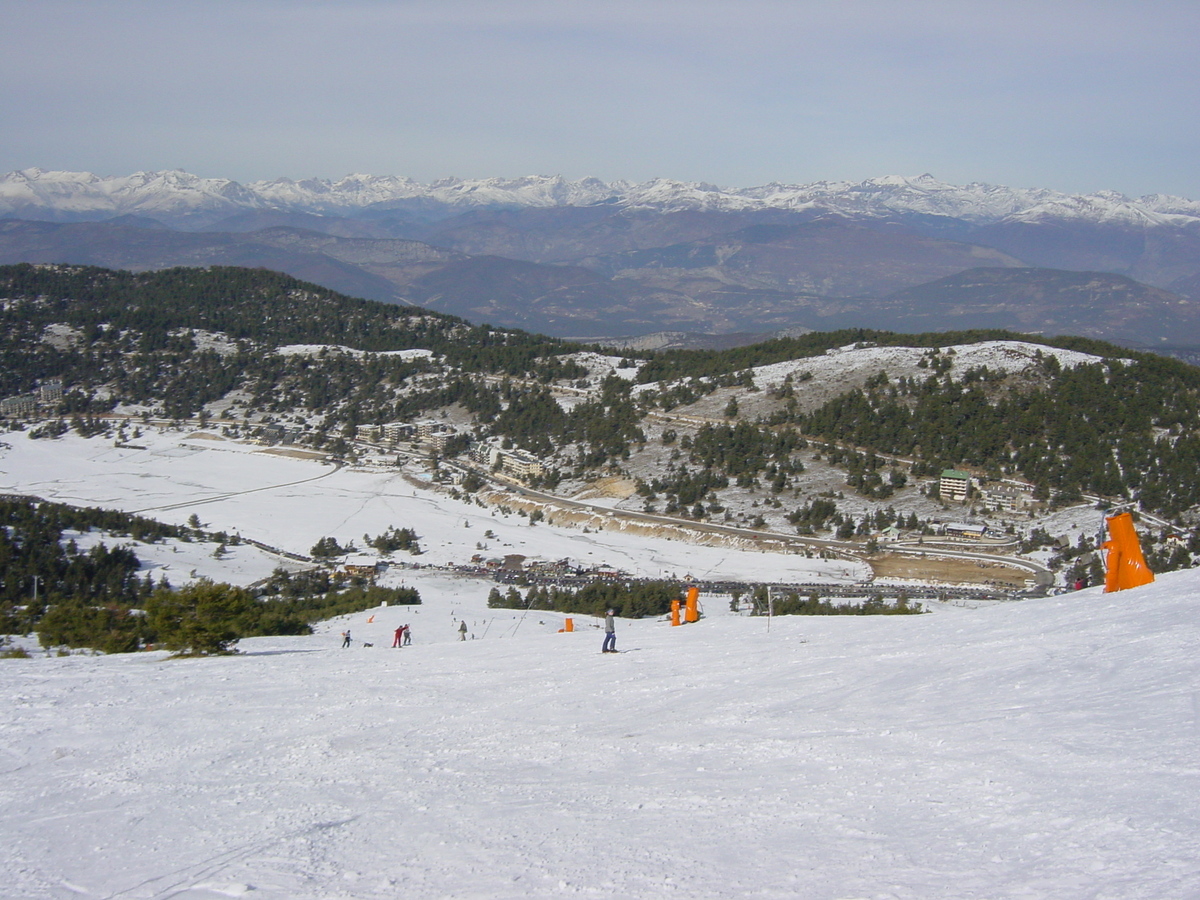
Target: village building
[962, 530]
[437, 441]
[1006, 498]
[1175, 542]
[278, 434]
[486, 453]
[361, 564]
[514, 463]
[521, 465]
[14, 407]
[432, 433]
[513, 562]
[395, 432]
[557, 568]
[954, 485]
[50, 391]
[372, 434]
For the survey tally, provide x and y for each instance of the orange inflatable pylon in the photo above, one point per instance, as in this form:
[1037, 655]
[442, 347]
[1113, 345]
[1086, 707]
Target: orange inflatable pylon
[674, 613]
[692, 614]
[1126, 566]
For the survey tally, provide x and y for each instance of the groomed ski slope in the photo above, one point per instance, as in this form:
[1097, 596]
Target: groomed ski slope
[1042, 749]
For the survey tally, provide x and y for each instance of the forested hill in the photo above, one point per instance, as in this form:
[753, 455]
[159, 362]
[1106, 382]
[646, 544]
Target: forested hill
[175, 342]
[268, 308]
[186, 342]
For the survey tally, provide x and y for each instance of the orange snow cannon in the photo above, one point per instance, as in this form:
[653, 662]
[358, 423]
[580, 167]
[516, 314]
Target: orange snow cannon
[1126, 566]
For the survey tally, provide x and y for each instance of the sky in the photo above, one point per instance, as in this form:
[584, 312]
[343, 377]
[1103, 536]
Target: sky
[1075, 96]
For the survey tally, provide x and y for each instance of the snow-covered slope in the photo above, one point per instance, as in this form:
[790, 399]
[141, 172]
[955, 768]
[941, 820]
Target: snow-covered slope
[1043, 749]
[169, 194]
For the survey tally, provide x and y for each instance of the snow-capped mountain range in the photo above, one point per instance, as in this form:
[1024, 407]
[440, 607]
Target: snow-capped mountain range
[589, 259]
[37, 193]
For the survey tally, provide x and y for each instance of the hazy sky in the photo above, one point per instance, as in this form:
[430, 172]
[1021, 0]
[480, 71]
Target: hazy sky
[1078, 95]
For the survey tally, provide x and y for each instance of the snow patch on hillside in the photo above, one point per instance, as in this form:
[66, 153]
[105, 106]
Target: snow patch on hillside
[61, 336]
[183, 562]
[600, 366]
[216, 341]
[319, 349]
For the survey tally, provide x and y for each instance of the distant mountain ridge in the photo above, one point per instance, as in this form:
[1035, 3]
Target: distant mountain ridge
[37, 192]
[590, 259]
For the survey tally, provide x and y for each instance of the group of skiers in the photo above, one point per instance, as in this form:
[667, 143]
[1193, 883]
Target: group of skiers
[402, 639]
[403, 635]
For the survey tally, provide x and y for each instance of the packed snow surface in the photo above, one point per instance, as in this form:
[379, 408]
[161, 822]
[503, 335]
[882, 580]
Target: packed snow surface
[1042, 749]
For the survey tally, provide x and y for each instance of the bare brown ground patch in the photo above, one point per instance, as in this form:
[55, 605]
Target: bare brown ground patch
[950, 571]
[620, 488]
[294, 454]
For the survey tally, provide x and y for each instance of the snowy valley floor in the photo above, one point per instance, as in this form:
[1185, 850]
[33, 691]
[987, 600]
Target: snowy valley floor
[291, 503]
[1043, 749]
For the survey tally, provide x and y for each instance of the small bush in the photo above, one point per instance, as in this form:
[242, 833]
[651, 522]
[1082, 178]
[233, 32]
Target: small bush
[202, 618]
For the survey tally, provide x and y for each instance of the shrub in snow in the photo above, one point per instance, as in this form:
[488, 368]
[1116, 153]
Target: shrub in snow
[201, 618]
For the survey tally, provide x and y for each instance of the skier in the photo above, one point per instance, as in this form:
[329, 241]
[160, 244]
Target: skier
[345, 639]
[610, 634]
[407, 635]
[462, 630]
[399, 639]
